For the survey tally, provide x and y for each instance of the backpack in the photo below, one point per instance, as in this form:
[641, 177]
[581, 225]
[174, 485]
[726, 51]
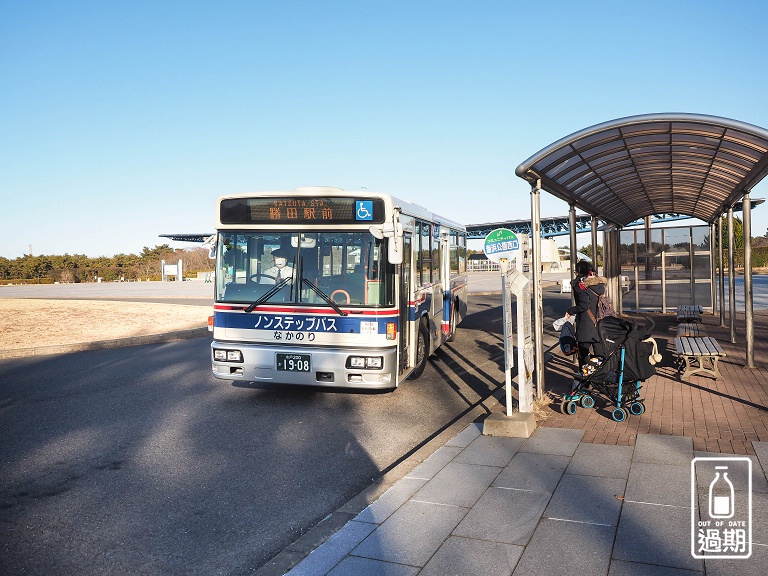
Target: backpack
[604, 307]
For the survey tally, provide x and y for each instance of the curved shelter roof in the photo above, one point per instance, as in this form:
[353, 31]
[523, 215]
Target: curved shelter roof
[638, 166]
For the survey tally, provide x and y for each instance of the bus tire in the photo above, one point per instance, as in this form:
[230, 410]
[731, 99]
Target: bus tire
[422, 351]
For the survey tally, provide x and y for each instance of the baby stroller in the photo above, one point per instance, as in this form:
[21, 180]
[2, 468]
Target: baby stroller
[618, 375]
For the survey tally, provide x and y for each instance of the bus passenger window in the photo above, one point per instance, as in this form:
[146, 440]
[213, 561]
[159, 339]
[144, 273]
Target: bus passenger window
[436, 257]
[425, 255]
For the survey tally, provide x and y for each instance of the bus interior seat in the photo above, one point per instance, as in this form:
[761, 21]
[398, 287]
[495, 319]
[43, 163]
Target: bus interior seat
[355, 285]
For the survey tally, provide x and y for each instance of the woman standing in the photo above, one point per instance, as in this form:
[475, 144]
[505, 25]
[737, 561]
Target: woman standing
[587, 288]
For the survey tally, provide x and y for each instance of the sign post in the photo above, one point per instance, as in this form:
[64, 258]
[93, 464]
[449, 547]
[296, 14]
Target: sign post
[519, 285]
[503, 246]
[506, 306]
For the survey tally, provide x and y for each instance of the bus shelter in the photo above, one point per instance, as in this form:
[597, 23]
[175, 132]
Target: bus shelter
[632, 168]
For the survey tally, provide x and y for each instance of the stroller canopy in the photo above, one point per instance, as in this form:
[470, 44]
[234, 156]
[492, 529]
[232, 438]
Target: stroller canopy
[615, 332]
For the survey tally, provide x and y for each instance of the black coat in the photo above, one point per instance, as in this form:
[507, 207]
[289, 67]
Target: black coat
[586, 330]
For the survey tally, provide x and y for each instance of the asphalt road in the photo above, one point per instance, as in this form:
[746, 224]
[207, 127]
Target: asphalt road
[138, 461]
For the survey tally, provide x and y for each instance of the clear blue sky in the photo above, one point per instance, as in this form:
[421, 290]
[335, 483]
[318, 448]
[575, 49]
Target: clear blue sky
[120, 121]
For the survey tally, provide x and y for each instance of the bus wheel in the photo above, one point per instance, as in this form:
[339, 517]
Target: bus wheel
[422, 351]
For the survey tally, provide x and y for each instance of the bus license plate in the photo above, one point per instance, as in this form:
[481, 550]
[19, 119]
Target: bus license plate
[293, 362]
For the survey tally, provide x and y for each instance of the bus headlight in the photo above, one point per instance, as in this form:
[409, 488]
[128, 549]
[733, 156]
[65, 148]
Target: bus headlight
[369, 362]
[227, 355]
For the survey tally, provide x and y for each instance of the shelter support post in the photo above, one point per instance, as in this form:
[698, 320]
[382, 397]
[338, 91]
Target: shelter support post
[574, 253]
[636, 279]
[594, 241]
[721, 269]
[648, 259]
[663, 277]
[616, 266]
[611, 265]
[538, 317]
[619, 294]
[750, 332]
[712, 277]
[572, 235]
[692, 260]
[731, 278]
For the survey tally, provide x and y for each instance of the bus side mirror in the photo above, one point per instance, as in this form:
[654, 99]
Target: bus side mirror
[396, 244]
[393, 231]
[211, 243]
[395, 252]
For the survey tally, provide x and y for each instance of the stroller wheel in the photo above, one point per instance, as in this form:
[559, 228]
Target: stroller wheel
[570, 408]
[637, 408]
[587, 401]
[619, 414]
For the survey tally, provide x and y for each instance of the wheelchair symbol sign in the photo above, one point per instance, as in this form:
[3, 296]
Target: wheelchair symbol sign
[364, 210]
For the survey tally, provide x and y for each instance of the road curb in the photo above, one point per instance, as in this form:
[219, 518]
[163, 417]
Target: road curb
[104, 344]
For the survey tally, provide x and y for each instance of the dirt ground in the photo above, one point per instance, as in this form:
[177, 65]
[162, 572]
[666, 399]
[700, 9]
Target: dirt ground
[27, 323]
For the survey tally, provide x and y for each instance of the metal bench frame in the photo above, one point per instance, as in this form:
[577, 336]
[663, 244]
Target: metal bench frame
[689, 313]
[699, 355]
[690, 329]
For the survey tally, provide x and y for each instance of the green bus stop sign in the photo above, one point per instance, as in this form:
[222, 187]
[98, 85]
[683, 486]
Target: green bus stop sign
[501, 243]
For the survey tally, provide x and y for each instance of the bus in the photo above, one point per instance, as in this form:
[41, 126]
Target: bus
[323, 287]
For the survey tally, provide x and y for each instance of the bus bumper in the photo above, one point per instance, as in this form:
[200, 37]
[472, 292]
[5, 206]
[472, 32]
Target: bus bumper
[329, 367]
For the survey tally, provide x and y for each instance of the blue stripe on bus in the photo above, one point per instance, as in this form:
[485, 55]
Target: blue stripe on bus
[300, 323]
[418, 310]
[447, 306]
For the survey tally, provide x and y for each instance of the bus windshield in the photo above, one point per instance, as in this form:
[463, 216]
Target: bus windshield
[311, 267]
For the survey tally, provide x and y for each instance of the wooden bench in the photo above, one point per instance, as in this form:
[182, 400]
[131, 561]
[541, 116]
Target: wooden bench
[689, 313]
[698, 355]
[690, 329]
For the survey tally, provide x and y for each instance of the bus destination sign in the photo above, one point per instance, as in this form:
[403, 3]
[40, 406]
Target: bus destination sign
[301, 210]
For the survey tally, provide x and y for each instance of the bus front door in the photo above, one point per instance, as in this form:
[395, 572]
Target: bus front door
[403, 305]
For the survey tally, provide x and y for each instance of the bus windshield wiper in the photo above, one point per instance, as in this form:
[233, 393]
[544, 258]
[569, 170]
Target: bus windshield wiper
[274, 290]
[324, 296]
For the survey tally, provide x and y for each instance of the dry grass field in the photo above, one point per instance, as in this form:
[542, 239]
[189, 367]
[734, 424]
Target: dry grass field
[28, 323]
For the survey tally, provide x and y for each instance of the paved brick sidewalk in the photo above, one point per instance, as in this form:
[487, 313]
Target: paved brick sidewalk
[719, 415]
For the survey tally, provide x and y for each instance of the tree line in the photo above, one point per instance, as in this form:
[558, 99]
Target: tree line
[81, 268]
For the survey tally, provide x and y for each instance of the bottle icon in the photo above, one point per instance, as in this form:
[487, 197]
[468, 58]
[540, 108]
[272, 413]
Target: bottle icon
[721, 506]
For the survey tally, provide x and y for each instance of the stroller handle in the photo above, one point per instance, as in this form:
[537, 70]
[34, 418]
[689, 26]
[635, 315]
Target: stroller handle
[650, 326]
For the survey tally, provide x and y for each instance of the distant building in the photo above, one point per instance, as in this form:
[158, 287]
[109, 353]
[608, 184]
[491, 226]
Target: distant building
[480, 263]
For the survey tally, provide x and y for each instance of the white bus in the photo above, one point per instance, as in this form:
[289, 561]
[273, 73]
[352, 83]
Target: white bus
[322, 287]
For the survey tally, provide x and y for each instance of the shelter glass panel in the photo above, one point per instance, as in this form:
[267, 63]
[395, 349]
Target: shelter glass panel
[700, 238]
[677, 266]
[650, 296]
[701, 267]
[661, 269]
[678, 292]
[677, 240]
